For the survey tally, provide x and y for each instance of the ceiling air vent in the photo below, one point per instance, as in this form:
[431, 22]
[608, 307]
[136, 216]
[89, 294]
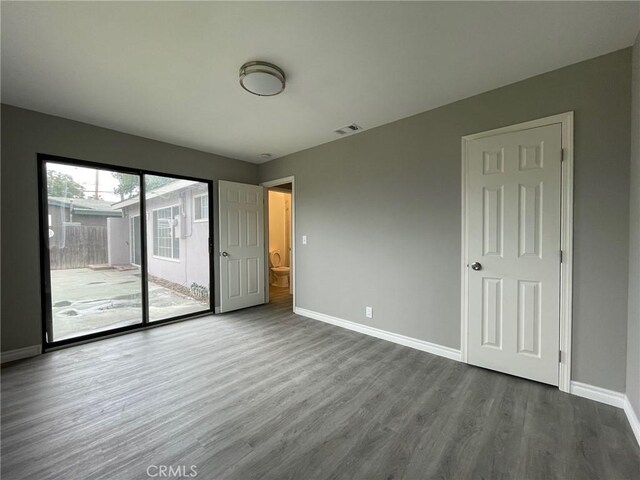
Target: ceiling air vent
[348, 129]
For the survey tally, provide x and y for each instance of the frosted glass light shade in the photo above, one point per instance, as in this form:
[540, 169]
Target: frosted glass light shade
[262, 79]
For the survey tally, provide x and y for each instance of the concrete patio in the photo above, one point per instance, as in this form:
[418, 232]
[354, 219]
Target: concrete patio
[86, 301]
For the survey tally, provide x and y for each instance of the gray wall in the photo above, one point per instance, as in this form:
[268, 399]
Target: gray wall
[188, 268]
[26, 133]
[381, 210]
[633, 340]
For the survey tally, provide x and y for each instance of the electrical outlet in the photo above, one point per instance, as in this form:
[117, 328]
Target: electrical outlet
[304, 239]
[368, 311]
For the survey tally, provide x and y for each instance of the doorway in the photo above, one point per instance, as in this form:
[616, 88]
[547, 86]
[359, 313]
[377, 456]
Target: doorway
[280, 242]
[517, 249]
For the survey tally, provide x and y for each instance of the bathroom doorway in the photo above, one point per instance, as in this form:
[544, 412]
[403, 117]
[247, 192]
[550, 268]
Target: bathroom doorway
[279, 225]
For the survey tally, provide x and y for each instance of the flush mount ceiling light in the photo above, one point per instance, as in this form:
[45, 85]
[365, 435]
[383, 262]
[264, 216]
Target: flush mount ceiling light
[262, 78]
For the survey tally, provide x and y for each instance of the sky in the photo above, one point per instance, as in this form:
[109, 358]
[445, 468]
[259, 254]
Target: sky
[87, 178]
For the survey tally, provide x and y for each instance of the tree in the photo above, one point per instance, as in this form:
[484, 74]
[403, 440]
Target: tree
[129, 185]
[153, 182]
[63, 185]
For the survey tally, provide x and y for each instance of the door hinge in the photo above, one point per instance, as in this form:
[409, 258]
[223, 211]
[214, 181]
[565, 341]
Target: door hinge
[563, 154]
[561, 256]
[560, 356]
[210, 246]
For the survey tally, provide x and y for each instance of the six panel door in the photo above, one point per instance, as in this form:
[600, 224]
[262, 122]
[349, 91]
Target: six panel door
[242, 247]
[513, 221]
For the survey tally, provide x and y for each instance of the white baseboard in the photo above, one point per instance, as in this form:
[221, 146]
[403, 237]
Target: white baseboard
[447, 352]
[216, 310]
[19, 353]
[602, 395]
[632, 416]
[615, 399]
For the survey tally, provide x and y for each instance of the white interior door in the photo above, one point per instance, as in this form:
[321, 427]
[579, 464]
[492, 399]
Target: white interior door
[513, 223]
[242, 246]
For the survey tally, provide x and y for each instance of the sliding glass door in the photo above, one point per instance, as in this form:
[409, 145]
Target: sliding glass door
[93, 286]
[120, 249]
[177, 213]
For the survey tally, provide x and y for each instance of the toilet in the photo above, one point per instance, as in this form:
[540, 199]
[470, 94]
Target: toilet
[279, 274]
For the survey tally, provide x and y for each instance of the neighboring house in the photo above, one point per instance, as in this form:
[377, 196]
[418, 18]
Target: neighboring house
[80, 211]
[177, 233]
[77, 226]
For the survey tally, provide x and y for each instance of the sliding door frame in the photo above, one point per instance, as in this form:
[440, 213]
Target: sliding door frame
[45, 270]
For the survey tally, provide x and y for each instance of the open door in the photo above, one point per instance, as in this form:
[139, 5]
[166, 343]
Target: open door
[242, 247]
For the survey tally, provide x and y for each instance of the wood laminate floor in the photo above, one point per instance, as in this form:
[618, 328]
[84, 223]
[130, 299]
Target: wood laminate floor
[265, 394]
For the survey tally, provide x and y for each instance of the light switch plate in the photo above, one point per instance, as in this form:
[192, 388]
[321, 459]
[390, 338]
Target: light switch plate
[304, 239]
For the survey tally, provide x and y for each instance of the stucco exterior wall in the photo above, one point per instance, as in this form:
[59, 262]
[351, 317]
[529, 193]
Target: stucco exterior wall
[192, 266]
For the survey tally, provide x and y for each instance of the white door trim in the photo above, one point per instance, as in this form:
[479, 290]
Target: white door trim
[566, 241]
[292, 279]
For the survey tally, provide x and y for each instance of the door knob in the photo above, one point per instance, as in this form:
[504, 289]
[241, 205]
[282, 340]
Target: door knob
[476, 266]
[224, 254]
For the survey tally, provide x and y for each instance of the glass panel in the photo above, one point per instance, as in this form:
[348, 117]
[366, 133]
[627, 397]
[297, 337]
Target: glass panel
[178, 253]
[201, 208]
[95, 285]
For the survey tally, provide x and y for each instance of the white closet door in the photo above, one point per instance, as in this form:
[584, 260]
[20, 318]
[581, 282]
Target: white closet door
[514, 200]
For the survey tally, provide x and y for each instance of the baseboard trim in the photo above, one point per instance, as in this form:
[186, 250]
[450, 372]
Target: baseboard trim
[446, 352]
[20, 353]
[599, 394]
[216, 310]
[632, 416]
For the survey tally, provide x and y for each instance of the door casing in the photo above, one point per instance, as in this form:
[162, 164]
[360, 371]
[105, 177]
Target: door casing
[566, 240]
[292, 274]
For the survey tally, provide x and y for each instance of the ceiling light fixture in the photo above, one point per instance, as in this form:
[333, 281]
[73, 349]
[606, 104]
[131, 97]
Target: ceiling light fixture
[262, 78]
[265, 156]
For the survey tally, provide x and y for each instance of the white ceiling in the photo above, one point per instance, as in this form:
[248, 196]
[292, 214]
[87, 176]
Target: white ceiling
[169, 70]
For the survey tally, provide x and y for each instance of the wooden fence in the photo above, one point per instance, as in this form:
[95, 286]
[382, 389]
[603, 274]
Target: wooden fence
[77, 247]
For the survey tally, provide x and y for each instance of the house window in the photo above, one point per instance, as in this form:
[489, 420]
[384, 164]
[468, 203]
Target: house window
[165, 241]
[201, 208]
